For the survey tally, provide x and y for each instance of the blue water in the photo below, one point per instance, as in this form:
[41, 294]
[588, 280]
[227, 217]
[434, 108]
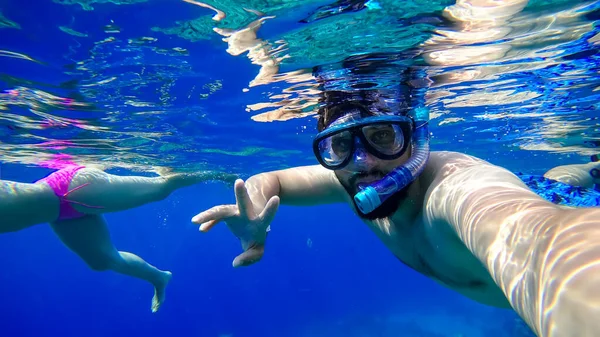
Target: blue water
[324, 273]
[344, 283]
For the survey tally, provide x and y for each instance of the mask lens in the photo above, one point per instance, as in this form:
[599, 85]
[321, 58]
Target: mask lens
[388, 139]
[336, 148]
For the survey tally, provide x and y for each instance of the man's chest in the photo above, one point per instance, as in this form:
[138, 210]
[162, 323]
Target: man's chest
[440, 258]
[437, 256]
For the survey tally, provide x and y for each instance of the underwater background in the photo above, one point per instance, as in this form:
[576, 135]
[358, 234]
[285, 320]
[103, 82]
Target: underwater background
[139, 86]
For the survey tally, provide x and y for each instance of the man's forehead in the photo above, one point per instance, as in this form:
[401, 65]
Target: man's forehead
[351, 116]
[355, 114]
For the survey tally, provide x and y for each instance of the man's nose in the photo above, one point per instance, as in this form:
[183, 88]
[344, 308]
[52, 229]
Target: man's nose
[361, 158]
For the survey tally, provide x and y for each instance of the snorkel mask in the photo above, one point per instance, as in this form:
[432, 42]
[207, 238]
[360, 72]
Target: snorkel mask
[386, 137]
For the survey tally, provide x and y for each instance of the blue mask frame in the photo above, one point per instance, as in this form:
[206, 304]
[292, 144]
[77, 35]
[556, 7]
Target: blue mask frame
[406, 125]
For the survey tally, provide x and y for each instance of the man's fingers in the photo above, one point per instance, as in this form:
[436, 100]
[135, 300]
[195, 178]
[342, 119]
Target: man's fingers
[250, 256]
[270, 210]
[205, 227]
[215, 214]
[244, 204]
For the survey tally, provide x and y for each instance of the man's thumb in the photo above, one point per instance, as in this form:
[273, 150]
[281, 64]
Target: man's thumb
[250, 256]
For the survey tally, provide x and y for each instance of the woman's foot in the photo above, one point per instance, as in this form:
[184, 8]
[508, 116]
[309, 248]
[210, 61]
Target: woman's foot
[159, 291]
[179, 180]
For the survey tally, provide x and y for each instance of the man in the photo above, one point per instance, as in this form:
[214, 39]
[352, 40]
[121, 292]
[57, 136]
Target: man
[467, 224]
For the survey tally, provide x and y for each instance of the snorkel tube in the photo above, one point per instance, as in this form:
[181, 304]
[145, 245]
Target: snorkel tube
[373, 195]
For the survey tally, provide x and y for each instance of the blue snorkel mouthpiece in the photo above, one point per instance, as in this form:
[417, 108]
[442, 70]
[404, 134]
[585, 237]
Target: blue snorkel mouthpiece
[373, 195]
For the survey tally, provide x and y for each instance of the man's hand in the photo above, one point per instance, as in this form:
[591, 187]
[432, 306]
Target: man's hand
[243, 221]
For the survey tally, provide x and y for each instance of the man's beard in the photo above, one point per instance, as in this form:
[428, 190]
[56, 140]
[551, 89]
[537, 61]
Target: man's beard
[387, 208]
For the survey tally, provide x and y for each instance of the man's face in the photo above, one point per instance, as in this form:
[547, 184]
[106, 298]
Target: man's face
[365, 168]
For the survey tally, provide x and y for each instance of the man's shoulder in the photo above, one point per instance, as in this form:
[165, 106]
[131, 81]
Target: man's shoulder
[450, 161]
[453, 156]
[455, 168]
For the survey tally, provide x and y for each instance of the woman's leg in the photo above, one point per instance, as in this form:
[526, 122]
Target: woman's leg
[17, 200]
[101, 192]
[89, 238]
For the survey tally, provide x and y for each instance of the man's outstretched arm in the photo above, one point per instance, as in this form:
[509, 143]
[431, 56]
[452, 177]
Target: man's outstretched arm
[258, 199]
[544, 257]
[300, 186]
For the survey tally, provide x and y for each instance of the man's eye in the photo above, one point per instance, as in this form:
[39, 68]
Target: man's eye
[341, 144]
[383, 137]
